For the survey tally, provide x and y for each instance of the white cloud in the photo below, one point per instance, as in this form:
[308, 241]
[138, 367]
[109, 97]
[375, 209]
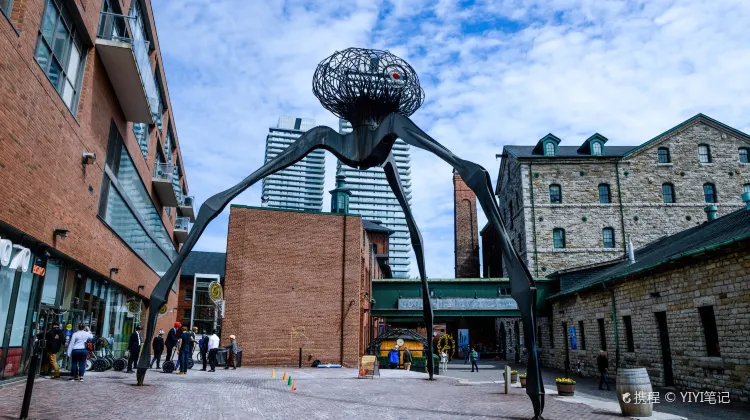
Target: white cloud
[495, 73]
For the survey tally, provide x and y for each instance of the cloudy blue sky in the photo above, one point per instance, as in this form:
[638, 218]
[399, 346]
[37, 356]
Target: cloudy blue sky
[495, 72]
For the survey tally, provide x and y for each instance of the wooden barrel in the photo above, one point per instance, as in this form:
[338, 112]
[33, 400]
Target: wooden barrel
[632, 383]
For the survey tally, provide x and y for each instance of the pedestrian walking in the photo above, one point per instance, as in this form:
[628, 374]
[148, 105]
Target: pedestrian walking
[444, 361]
[53, 343]
[393, 357]
[603, 364]
[407, 358]
[158, 347]
[185, 345]
[203, 347]
[78, 351]
[172, 337]
[474, 356]
[134, 347]
[231, 353]
[213, 348]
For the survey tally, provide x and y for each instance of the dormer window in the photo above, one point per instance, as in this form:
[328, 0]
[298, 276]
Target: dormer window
[596, 149]
[549, 149]
[593, 146]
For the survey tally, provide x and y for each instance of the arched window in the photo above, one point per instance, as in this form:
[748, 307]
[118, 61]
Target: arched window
[709, 193]
[597, 148]
[664, 156]
[704, 153]
[608, 237]
[555, 194]
[604, 196]
[549, 149]
[744, 152]
[667, 192]
[558, 238]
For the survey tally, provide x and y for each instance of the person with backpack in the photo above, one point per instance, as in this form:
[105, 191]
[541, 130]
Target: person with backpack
[203, 347]
[474, 356]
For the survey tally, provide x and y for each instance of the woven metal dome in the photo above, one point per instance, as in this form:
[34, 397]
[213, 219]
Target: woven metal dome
[363, 86]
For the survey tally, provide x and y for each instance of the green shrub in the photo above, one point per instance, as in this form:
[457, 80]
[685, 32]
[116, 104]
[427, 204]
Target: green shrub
[419, 361]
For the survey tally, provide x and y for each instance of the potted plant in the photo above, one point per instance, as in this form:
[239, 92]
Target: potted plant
[513, 376]
[565, 386]
[522, 377]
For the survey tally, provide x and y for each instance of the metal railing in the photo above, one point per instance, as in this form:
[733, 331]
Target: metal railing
[186, 200]
[163, 171]
[182, 223]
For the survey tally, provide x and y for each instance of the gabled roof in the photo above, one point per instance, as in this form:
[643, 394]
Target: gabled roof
[539, 148]
[200, 262]
[721, 232]
[586, 146]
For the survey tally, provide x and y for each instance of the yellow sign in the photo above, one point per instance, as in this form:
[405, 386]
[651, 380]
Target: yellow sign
[69, 327]
[214, 291]
[367, 366]
[163, 309]
[133, 306]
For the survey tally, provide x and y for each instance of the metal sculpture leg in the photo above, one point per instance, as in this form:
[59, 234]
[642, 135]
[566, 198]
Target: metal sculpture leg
[523, 288]
[391, 174]
[309, 141]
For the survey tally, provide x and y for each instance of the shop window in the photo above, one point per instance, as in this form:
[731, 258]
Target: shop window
[744, 151]
[667, 193]
[60, 52]
[704, 153]
[664, 156]
[582, 334]
[710, 333]
[555, 194]
[602, 335]
[628, 333]
[604, 197]
[608, 237]
[188, 294]
[52, 282]
[558, 238]
[186, 316]
[709, 193]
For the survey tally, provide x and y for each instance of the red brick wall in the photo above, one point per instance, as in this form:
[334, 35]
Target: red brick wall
[44, 186]
[466, 231]
[283, 286]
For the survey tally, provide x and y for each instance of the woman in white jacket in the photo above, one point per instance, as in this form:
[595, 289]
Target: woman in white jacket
[78, 351]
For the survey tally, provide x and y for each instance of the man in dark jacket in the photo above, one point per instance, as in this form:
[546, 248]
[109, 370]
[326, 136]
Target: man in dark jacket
[203, 346]
[53, 342]
[603, 364]
[172, 337]
[158, 347]
[134, 346]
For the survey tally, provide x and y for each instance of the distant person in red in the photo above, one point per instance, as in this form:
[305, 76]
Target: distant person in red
[172, 337]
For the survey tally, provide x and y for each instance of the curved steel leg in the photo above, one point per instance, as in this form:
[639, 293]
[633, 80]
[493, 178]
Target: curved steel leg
[523, 288]
[309, 141]
[391, 174]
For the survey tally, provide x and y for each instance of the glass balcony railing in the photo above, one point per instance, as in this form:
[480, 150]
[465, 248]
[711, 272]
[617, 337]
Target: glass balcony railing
[163, 172]
[182, 223]
[187, 201]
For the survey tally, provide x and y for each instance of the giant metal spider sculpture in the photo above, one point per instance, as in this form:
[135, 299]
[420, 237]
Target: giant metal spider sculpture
[377, 92]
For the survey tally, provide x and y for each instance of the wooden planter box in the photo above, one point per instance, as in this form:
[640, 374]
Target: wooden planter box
[566, 390]
[513, 377]
[523, 382]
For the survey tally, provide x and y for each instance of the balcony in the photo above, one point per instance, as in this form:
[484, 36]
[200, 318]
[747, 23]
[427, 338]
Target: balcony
[162, 183]
[127, 63]
[185, 207]
[181, 229]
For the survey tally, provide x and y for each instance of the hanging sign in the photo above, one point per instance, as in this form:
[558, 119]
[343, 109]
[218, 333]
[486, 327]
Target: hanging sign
[162, 311]
[133, 306]
[215, 292]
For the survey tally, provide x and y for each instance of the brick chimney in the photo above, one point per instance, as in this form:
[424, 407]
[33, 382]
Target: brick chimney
[466, 232]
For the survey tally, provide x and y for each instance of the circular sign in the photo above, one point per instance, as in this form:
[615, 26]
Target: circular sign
[163, 309]
[400, 342]
[69, 327]
[214, 291]
[133, 306]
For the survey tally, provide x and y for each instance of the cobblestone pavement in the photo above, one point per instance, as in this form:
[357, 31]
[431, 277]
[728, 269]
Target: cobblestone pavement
[588, 387]
[250, 393]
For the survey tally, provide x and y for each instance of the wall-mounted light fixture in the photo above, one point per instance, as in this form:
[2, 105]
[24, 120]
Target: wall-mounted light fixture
[113, 270]
[140, 286]
[88, 158]
[63, 233]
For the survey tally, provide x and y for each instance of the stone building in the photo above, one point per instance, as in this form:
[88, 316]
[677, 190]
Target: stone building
[301, 280]
[570, 206]
[680, 308]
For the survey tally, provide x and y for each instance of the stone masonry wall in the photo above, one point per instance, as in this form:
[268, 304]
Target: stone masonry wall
[721, 280]
[510, 200]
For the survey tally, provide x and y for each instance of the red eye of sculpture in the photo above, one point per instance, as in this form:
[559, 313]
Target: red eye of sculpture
[396, 76]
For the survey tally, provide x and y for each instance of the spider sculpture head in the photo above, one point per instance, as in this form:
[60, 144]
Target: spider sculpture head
[363, 86]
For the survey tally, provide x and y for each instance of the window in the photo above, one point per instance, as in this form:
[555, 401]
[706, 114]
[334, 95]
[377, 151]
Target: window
[186, 314]
[709, 331]
[608, 237]
[60, 53]
[549, 149]
[628, 333]
[555, 194]
[667, 193]
[746, 188]
[188, 294]
[551, 334]
[141, 134]
[604, 194]
[602, 335]
[664, 155]
[704, 153]
[709, 193]
[582, 335]
[558, 238]
[597, 148]
[744, 155]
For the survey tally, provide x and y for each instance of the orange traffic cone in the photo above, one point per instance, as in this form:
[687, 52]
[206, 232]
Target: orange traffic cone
[284, 378]
[294, 385]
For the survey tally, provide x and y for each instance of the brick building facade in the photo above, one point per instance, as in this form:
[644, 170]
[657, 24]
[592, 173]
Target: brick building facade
[569, 206]
[465, 229]
[300, 280]
[95, 226]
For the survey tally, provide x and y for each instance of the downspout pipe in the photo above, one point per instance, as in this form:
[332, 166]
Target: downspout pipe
[614, 323]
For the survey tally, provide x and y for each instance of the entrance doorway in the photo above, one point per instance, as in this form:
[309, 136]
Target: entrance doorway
[666, 351]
